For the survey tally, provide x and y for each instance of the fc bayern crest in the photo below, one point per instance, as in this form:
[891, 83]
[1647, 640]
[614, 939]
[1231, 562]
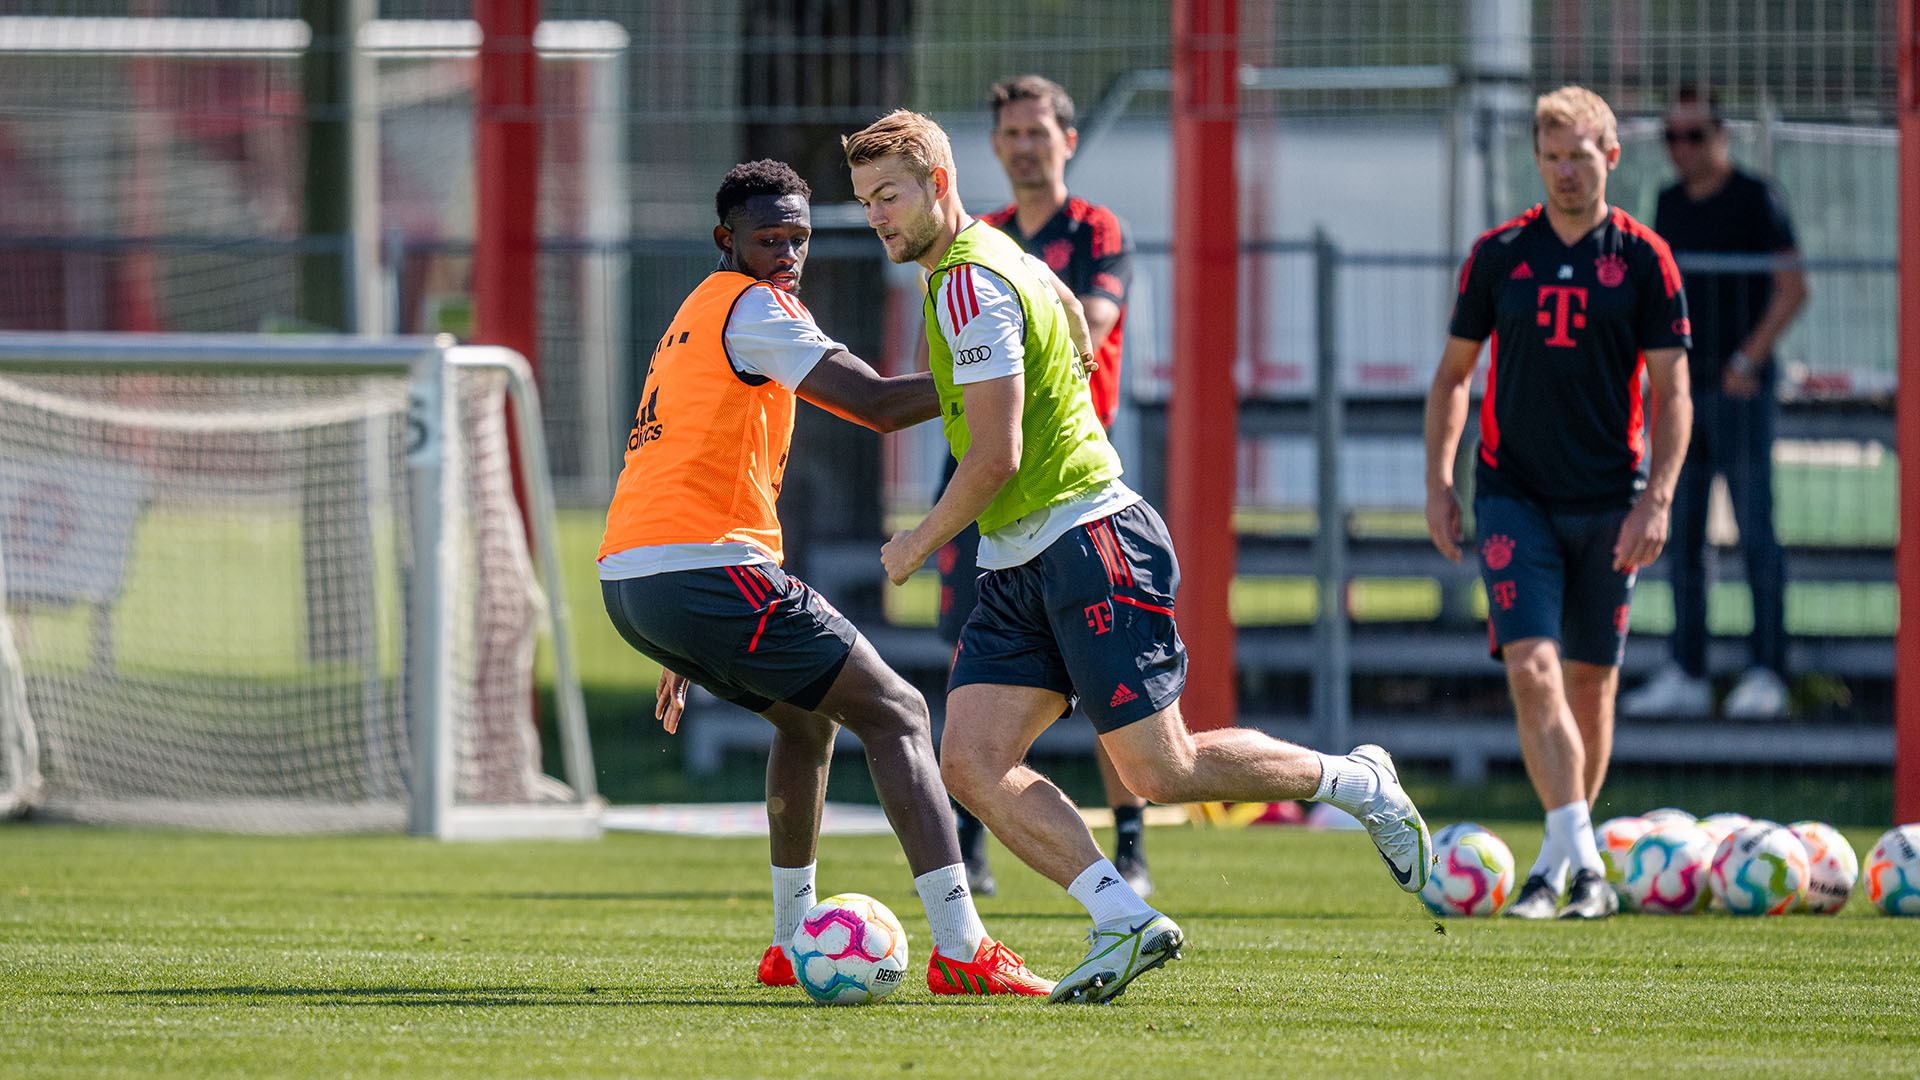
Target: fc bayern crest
[1612, 270]
[1498, 551]
[1057, 253]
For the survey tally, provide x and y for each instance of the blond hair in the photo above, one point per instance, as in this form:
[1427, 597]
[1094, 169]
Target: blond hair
[918, 140]
[1572, 107]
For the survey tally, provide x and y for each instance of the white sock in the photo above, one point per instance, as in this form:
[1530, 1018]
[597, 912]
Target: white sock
[1107, 896]
[1574, 825]
[1552, 863]
[792, 896]
[957, 929]
[1345, 783]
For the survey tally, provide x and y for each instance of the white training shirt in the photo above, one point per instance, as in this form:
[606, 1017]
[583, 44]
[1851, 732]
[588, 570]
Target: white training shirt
[986, 327]
[770, 334]
[983, 322]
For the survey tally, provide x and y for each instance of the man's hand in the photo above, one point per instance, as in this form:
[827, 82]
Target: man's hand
[670, 700]
[901, 557]
[1443, 521]
[1739, 383]
[1642, 536]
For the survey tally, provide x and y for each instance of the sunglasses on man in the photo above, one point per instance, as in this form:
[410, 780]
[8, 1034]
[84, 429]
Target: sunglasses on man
[1695, 136]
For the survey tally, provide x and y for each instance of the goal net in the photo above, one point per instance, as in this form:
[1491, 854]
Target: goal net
[277, 584]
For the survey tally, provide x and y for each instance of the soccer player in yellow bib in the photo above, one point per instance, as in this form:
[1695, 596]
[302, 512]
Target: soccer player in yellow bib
[691, 570]
[1077, 599]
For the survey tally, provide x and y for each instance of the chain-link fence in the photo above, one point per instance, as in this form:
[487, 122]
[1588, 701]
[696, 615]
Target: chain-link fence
[153, 156]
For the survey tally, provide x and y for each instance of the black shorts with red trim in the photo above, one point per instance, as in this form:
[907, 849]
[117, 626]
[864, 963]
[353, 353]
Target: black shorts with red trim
[1091, 617]
[1549, 574]
[752, 635]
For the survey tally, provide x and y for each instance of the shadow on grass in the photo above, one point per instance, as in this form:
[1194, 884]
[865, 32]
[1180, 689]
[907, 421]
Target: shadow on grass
[1183, 915]
[455, 997]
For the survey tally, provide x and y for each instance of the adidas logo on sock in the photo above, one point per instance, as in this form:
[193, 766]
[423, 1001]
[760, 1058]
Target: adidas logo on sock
[804, 890]
[1122, 695]
[1105, 882]
[958, 892]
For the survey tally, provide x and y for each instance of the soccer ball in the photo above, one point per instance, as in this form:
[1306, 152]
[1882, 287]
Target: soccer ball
[1718, 828]
[1668, 814]
[1666, 870]
[1722, 825]
[1614, 837]
[1472, 874]
[1832, 867]
[1893, 871]
[1760, 870]
[849, 950]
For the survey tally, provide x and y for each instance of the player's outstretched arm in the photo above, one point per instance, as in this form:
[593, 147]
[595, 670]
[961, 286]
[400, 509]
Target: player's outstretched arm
[846, 386]
[1446, 420]
[1077, 326]
[1644, 533]
[993, 411]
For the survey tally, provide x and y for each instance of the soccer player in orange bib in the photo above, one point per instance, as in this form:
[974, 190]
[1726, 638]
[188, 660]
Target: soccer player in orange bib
[690, 569]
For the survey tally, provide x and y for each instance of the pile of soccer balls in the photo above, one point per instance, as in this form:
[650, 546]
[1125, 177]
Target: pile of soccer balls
[1667, 862]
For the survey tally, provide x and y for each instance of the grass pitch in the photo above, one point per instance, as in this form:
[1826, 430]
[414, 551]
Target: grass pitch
[158, 954]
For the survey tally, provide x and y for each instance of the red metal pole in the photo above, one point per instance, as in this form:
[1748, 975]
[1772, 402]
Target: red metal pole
[506, 277]
[1906, 686]
[507, 159]
[1203, 419]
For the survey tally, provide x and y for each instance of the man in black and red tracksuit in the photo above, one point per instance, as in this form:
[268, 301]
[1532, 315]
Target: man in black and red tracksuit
[1090, 249]
[1580, 301]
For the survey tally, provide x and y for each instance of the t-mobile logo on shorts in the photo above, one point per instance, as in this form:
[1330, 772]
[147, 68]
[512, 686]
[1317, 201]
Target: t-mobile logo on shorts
[1100, 617]
[1503, 595]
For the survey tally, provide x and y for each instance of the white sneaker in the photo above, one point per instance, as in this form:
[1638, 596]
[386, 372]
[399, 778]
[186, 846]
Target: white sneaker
[1671, 692]
[1115, 957]
[1759, 695]
[1394, 823]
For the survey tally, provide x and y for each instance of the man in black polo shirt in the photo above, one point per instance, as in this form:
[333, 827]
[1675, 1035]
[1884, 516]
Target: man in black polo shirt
[1738, 315]
[1091, 250]
[1570, 501]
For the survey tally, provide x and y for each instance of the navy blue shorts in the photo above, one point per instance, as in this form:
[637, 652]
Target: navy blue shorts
[1090, 618]
[752, 635]
[1549, 574]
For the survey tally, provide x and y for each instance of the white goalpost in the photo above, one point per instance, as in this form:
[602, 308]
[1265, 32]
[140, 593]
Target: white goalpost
[279, 584]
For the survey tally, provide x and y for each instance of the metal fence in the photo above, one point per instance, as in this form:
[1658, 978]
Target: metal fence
[155, 184]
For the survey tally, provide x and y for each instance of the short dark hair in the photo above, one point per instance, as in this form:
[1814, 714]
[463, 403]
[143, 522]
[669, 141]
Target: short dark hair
[1034, 88]
[763, 177]
[1692, 93]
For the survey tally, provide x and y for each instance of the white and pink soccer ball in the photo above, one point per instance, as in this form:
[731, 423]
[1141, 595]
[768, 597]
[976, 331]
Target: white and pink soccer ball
[1724, 824]
[1667, 815]
[1614, 837]
[1893, 871]
[1666, 870]
[1832, 867]
[849, 950]
[1719, 827]
[1760, 870]
[1472, 873]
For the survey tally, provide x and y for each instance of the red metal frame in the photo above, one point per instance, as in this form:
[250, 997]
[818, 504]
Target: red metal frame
[506, 246]
[1203, 422]
[1906, 687]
